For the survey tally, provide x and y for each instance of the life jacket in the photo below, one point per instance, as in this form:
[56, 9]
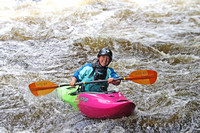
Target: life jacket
[98, 73]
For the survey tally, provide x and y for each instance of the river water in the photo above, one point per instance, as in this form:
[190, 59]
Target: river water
[51, 39]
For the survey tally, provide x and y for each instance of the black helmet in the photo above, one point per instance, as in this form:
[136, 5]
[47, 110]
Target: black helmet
[105, 51]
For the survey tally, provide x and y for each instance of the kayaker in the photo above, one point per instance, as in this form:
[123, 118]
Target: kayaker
[98, 70]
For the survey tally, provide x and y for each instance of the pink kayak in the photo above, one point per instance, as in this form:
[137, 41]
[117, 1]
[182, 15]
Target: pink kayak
[109, 104]
[112, 105]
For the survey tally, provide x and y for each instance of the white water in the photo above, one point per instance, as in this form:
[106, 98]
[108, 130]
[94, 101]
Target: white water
[50, 40]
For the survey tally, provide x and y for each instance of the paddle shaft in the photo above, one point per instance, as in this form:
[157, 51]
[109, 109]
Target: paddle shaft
[101, 81]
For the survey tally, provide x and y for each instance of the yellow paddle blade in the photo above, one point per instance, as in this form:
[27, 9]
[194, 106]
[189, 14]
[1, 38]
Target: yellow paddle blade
[41, 88]
[143, 76]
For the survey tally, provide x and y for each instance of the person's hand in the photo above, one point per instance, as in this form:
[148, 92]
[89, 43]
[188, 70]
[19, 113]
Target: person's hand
[73, 82]
[116, 82]
[110, 80]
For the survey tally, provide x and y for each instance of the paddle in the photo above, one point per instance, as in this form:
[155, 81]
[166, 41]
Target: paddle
[41, 88]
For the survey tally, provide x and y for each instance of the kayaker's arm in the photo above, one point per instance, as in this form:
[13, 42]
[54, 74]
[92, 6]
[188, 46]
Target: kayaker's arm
[115, 82]
[73, 81]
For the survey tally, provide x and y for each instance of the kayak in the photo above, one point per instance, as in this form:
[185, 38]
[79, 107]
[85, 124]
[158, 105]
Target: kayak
[109, 104]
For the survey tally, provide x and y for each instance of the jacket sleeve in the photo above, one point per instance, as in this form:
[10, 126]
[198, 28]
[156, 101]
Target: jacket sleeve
[79, 75]
[113, 74]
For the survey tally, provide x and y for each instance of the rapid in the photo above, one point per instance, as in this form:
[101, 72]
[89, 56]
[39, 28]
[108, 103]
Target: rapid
[51, 39]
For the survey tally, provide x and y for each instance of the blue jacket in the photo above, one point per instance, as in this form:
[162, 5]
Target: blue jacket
[82, 75]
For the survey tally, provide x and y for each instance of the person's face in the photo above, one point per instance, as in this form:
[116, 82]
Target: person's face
[104, 60]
